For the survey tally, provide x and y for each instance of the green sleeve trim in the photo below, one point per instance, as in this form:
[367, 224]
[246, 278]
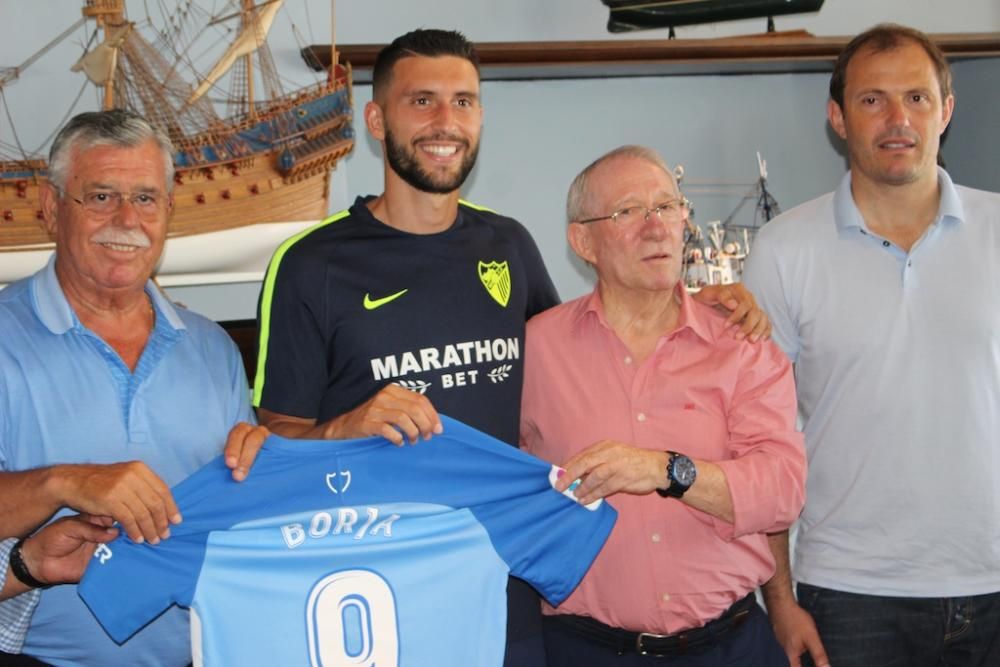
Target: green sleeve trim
[475, 206]
[267, 294]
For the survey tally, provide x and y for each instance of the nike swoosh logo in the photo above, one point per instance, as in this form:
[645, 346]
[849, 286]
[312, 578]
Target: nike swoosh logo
[372, 304]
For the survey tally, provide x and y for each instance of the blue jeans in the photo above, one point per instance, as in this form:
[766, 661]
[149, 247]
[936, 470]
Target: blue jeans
[875, 631]
[751, 645]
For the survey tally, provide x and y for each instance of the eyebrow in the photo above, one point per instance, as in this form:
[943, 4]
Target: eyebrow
[884, 91]
[146, 189]
[436, 93]
[633, 200]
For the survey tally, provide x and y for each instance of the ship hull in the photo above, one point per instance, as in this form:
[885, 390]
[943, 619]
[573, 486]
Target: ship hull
[244, 178]
[207, 199]
[236, 255]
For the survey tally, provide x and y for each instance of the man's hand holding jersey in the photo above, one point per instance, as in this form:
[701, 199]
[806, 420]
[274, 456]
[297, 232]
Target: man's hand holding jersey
[397, 414]
[59, 552]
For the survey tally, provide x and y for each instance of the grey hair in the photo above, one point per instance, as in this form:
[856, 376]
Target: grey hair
[115, 127]
[577, 198]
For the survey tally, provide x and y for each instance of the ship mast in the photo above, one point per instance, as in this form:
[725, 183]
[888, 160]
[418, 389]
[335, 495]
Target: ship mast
[108, 14]
[247, 19]
[331, 73]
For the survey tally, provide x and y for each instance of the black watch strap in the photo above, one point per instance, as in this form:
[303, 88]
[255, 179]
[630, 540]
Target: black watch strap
[665, 493]
[20, 569]
[676, 489]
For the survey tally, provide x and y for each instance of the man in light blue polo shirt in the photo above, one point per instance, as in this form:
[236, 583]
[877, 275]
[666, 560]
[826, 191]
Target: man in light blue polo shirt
[108, 393]
[885, 294]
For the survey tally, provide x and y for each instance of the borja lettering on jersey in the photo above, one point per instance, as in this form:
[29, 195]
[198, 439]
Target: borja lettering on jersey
[464, 363]
[339, 521]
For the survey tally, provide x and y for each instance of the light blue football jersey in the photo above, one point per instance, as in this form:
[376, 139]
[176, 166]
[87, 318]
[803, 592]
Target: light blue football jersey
[357, 552]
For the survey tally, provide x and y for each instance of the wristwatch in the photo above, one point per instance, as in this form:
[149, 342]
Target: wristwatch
[20, 570]
[681, 472]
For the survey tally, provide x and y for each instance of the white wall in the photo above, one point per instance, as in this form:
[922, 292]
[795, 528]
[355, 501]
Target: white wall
[538, 134]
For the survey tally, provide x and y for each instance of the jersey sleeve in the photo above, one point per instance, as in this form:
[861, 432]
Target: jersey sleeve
[550, 540]
[291, 372]
[546, 537]
[127, 584]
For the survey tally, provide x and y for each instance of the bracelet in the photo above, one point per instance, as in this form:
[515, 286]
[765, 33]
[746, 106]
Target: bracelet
[20, 569]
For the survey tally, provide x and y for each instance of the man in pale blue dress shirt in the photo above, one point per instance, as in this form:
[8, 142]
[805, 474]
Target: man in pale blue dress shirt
[886, 296]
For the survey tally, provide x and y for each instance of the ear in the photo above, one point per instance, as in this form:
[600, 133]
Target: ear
[49, 199]
[947, 109]
[836, 117]
[581, 241]
[375, 121]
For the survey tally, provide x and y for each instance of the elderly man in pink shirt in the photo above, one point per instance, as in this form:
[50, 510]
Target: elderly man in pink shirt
[646, 398]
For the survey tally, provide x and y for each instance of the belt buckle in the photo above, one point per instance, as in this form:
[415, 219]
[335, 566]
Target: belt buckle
[638, 641]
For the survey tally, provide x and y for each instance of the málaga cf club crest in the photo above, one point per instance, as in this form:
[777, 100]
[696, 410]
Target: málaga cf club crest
[495, 277]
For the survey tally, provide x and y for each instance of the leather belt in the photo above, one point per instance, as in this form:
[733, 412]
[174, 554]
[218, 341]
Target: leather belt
[646, 643]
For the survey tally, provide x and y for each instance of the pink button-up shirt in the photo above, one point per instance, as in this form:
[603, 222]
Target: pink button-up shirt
[668, 567]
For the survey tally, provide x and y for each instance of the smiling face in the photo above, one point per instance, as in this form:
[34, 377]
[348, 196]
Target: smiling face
[429, 120]
[107, 254]
[893, 115]
[643, 256]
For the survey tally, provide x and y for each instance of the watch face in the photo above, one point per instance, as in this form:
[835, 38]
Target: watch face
[684, 470]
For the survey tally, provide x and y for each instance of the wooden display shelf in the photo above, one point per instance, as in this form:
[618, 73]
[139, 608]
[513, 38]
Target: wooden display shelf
[768, 53]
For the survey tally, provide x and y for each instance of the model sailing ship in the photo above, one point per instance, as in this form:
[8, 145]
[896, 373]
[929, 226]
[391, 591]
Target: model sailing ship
[716, 256]
[268, 160]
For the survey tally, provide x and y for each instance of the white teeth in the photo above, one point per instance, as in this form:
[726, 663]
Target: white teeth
[896, 145]
[443, 151]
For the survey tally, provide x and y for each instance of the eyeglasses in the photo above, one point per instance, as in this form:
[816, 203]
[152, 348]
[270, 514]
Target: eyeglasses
[673, 210]
[105, 203]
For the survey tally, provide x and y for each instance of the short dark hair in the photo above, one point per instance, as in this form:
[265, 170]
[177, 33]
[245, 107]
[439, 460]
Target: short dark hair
[423, 42]
[114, 127]
[886, 37]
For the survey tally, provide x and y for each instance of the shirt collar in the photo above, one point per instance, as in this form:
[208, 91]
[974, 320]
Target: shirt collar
[950, 207]
[57, 315]
[847, 215]
[687, 318]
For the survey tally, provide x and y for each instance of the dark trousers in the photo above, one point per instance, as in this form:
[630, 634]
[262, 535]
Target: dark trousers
[9, 660]
[875, 631]
[752, 643]
[525, 647]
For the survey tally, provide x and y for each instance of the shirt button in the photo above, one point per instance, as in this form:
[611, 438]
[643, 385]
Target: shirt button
[656, 537]
[641, 417]
[628, 360]
[665, 597]
[885, 243]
